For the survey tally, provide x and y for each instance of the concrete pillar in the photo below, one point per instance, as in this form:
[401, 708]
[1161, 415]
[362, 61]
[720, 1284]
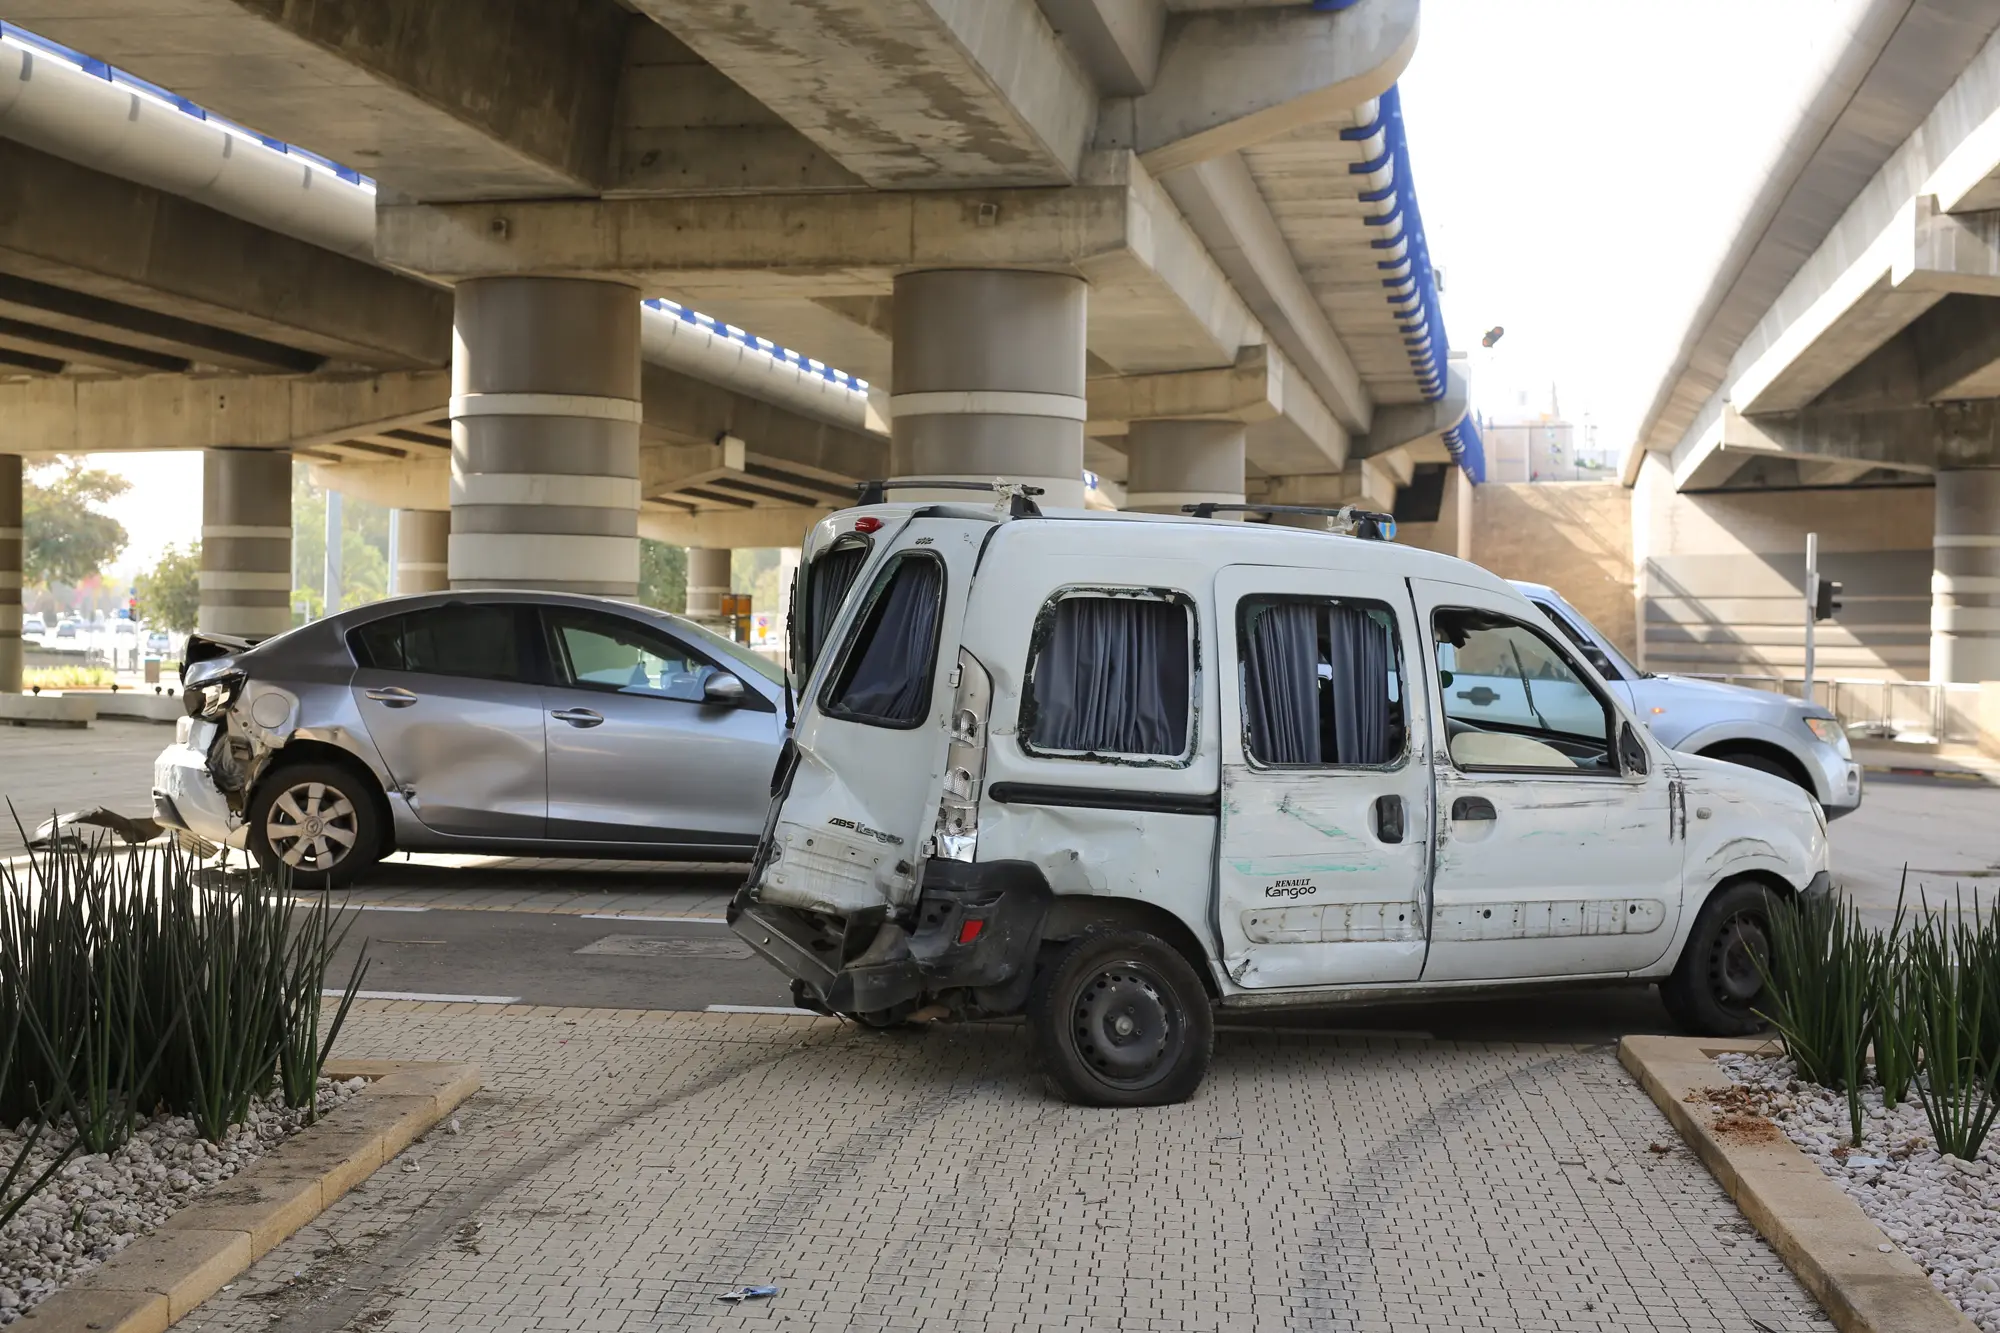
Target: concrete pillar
[423, 550]
[545, 435]
[1965, 578]
[10, 573]
[1175, 463]
[988, 380]
[246, 542]
[707, 581]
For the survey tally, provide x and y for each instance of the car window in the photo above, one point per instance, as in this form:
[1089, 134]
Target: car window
[1322, 682]
[886, 672]
[1110, 676]
[1512, 699]
[1591, 652]
[479, 641]
[603, 653]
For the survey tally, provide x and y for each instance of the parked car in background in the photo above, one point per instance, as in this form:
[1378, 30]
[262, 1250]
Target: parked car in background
[505, 723]
[67, 629]
[1775, 733]
[158, 644]
[33, 626]
[124, 629]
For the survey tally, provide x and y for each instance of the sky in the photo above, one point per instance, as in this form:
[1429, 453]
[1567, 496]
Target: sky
[1581, 164]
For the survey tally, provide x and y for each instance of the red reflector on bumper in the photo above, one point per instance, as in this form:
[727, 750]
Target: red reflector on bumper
[969, 932]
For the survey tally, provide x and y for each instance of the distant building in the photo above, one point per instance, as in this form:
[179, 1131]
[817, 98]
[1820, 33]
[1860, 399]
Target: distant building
[1532, 441]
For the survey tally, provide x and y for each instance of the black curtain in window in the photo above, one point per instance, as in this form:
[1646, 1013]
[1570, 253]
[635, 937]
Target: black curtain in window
[1362, 657]
[1113, 678]
[888, 677]
[828, 583]
[1280, 683]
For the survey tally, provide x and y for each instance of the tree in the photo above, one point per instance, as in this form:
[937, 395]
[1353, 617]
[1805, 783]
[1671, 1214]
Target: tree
[364, 546]
[171, 594]
[67, 539]
[663, 576]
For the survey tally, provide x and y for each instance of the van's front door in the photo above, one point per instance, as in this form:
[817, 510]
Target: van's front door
[1556, 854]
[868, 768]
[1324, 853]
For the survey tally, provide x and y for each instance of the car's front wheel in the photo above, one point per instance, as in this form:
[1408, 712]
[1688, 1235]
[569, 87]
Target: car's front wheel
[1717, 989]
[1120, 1019]
[318, 822]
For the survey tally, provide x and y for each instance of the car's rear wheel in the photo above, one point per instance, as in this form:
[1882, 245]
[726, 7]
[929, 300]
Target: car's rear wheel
[316, 821]
[1120, 1019]
[1717, 988]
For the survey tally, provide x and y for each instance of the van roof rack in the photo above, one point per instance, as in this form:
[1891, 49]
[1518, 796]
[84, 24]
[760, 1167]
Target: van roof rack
[1016, 497]
[1343, 520]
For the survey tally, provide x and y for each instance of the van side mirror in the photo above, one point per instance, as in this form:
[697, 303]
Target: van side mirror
[723, 688]
[1631, 751]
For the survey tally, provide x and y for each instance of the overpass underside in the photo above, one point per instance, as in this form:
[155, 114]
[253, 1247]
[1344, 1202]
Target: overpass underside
[1845, 378]
[1170, 243]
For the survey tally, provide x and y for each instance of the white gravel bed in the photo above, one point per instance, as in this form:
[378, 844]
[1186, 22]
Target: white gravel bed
[1944, 1213]
[97, 1205]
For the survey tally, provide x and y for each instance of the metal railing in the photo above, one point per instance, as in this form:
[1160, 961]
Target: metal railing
[1906, 710]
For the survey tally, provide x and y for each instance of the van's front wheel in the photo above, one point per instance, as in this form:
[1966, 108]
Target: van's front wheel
[1120, 1019]
[1717, 988]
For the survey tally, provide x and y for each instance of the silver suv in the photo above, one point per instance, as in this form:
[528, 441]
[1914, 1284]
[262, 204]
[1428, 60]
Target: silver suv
[1774, 733]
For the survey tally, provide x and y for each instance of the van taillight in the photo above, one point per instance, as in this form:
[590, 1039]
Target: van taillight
[957, 835]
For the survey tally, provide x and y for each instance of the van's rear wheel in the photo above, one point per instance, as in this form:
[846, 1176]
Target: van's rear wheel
[1717, 987]
[1120, 1019]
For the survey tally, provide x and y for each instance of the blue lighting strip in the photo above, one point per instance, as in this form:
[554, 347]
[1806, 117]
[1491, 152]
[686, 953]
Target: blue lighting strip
[1408, 280]
[764, 345]
[114, 75]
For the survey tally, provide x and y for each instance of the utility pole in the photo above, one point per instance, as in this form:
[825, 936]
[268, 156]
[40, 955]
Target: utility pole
[332, 592]
[1812, 605]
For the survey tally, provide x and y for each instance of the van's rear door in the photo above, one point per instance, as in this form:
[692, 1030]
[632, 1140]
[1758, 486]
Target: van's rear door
[861, 797]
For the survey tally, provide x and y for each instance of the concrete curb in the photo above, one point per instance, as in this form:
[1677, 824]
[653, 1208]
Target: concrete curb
[1820, 1233]
[160, 1278]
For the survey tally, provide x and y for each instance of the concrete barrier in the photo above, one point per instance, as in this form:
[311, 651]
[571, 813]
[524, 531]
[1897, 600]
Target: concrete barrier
[48, 710]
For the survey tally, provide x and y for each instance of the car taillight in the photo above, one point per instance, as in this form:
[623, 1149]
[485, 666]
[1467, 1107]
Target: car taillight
[957, 835]
[867, 524]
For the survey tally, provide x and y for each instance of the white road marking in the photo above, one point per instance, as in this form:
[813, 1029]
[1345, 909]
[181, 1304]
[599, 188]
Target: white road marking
[433, 999]
[384, 907]
[642, 916]
[760, 1009]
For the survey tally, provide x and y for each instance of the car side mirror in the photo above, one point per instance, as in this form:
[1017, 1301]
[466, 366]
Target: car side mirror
[723, 688]
[1631, 751]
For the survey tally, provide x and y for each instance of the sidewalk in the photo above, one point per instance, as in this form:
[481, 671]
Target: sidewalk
[1959, 763]
[621, 1170]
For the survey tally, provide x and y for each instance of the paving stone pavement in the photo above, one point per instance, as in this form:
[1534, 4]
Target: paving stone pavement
[621, 1169]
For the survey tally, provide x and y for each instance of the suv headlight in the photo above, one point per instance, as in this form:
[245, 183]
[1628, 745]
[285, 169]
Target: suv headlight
[1829, 730]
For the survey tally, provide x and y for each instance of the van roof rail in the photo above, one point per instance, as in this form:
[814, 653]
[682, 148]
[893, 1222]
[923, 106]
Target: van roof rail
[1343, 520]
[1018, 497]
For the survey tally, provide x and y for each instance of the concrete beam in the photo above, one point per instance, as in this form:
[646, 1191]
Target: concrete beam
[1223, 204]
[1371, 482]
[1231, 79]
[439, 99]
[1406, 423]
[1116, 41]
[419, 484]
[1957, 349]
[68, 227]
[682, 411]
[784, 525]
[1291, 429]
[1924, 437]
[1158, 301]
[665, 469]
[902, 92]
[213, 411]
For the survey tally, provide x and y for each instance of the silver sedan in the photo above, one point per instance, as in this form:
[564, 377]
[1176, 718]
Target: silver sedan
[503, 723]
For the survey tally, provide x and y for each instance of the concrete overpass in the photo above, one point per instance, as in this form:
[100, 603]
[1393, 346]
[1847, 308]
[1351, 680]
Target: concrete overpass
[1172, 242]
[1843, 373]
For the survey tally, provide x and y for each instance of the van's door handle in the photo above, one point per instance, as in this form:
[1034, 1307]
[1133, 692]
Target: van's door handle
[1389, 818]
[392, 695]
[577, 717]
[1473, 807]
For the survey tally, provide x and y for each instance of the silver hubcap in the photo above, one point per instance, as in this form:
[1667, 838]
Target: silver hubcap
[311, 826]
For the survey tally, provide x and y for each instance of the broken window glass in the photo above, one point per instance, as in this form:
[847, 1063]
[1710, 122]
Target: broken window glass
[891, 660]
[1111, 676]
[1322, 682]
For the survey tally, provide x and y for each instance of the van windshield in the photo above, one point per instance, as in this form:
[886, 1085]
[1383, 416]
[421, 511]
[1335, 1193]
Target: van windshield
[885, 677]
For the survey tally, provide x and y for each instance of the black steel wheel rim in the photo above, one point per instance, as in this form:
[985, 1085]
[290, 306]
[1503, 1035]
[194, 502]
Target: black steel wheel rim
[1739, 959]
[1126, 1026]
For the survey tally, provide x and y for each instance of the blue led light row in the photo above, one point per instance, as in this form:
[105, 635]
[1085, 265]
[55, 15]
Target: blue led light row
[764, 345]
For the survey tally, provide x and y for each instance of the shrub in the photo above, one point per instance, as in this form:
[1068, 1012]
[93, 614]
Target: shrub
[1954, 985]
[1821, 979]
[67, 678]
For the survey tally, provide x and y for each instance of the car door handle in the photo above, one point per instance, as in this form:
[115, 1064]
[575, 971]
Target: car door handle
[577, 717]
[1473, 807]
[393, 696]
[1389, 818]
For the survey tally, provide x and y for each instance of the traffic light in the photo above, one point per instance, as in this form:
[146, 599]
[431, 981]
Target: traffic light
[132, 609]
[1826, 598]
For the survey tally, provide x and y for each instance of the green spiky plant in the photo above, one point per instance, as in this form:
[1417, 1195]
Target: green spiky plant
[1892, 1034]
[1821, 982]
[1954, 973]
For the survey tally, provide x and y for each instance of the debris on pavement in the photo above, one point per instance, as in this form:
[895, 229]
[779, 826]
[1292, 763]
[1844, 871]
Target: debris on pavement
[735, 1295]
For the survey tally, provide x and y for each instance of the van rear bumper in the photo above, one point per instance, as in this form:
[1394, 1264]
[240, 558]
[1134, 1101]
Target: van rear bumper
[972, 942]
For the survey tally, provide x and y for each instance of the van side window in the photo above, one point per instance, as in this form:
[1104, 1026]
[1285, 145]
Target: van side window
[1110, 674]
[1322, 682]
[885, 678]
[1512, 700]
[828, 580]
